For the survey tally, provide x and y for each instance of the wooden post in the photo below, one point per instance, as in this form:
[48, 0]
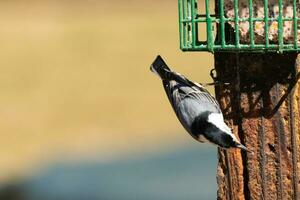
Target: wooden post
[262, 105]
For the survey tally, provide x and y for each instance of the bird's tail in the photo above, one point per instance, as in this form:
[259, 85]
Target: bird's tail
[160, 68]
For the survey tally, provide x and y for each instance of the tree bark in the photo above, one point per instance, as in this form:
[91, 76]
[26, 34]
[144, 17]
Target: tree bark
[262, 105]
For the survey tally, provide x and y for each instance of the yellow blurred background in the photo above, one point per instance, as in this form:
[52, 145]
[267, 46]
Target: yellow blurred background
[75, 82]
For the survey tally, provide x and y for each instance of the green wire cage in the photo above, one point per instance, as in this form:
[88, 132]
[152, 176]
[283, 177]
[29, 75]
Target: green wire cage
[239, 25]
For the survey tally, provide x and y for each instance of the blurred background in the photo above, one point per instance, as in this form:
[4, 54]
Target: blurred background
[81, 115]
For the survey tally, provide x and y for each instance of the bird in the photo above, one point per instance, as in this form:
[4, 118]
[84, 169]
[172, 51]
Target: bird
[197, 110]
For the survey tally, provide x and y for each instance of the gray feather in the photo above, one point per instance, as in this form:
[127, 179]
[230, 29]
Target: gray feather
[189, 102]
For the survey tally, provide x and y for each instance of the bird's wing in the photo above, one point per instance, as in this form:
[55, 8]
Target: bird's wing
[189, 103]
[180, 88]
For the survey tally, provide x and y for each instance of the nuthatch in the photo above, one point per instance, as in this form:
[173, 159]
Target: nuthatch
[198, 111]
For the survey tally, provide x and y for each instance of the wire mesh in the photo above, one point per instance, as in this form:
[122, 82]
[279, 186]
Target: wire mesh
[223, 31]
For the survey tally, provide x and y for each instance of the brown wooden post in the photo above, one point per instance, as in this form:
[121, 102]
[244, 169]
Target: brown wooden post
[262, 105]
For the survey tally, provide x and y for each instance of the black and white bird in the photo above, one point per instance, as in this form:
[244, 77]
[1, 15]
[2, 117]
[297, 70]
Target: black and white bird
[196, 109]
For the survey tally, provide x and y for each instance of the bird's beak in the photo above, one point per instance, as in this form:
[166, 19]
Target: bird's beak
[243, 148]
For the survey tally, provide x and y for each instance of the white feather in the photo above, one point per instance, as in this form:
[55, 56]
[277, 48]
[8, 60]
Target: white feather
[154, 71]
[218, 120]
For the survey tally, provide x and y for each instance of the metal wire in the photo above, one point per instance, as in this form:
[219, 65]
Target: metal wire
[189, 17]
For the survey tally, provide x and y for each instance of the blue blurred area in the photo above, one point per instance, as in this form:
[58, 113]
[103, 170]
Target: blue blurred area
[187, 174]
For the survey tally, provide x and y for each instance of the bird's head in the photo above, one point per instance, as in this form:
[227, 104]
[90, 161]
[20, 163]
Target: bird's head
[224, 135]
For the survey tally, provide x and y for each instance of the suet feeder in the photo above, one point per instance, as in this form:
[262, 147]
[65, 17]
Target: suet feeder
[254, 25]
[255, 45]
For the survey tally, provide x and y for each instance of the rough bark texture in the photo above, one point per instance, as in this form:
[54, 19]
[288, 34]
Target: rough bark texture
[262, 105]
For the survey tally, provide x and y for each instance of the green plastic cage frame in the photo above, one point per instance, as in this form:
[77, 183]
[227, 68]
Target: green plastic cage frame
[216, 32]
